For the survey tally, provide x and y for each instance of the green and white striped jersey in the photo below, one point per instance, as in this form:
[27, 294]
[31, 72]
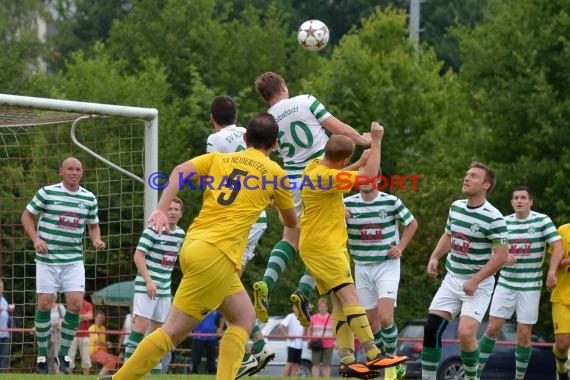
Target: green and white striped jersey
[527, 241]
[229, 140]
[473, 231]
[63, 215]
[161, 253]
[373, 226]
[302, 138]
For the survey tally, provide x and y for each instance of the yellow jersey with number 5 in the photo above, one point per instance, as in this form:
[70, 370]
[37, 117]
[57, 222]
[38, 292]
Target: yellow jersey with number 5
[237, 187]
[561, 294]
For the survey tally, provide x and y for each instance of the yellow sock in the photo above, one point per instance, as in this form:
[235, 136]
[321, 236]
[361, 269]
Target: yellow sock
[148, 353]
[344, 337]
[561, 360]
[232, 348]
[356, 318]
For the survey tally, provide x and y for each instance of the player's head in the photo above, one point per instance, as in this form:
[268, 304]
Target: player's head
[479, 178]
[261, 131]
[174, 212]
[223, 110]
[367, 188]
[521, 199]
[71, 172]
[339, 149]
[270, 85]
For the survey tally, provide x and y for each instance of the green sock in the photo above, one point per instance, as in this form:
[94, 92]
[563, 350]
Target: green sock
[470, 361]
[430, 360]
[69, 327]
[280, 257]
[42, 322]
[486, 346]
[522, 357]
[390, 338]
[306, 284]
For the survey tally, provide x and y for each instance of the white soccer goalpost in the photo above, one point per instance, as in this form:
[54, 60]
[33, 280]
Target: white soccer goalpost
[118, 146]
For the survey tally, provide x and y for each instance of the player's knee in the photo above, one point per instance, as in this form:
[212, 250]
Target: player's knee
[433, 330]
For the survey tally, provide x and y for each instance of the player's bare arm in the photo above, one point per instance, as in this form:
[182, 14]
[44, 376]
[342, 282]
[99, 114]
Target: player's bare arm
[498, 259]
[358, 164]
[370, 168]
[395, 251]
[555, 262]
[441, 249]
[337, 127]
[288, 217]
[140, 262]
[30, 228]
[95, 236]
[158, 219]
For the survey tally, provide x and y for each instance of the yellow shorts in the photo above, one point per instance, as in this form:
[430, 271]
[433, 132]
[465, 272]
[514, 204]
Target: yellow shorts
[561, 318]
[329, 270]
[208, 276]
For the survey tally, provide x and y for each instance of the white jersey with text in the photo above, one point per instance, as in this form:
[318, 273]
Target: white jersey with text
[474, 232]
[229, 140]
[63, 215]
[302, 138]
[527, 241]
[161, 253]
[373, 226]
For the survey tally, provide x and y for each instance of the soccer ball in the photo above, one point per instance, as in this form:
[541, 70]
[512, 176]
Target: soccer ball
[313, 35]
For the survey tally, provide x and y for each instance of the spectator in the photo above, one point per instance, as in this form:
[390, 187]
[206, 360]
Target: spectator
[54, 342]
[82, 340]
[292, 327]
[321, 326]
[100, 345]
[213, 323]
[6, 310]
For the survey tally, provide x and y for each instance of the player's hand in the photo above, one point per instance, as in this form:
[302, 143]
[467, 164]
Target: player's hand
[158, 220]
[40, 246]
[363, 158]
[151, 290]
[347, 213]
[394, 252]
[511, 259]
[551, 282]
[470, 286]
[432, 267]
[376, 131]
[366, 138]
[99, 244]
[11, 307]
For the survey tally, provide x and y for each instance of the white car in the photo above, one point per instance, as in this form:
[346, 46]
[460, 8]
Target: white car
[275, 367]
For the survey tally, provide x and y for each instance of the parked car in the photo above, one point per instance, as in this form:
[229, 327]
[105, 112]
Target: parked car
[501, 364]
[275, 367]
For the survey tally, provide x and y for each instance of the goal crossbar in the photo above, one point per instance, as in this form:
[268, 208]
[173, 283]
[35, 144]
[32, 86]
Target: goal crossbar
[86, 109]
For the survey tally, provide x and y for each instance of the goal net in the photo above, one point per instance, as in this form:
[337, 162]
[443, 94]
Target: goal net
[118, 148]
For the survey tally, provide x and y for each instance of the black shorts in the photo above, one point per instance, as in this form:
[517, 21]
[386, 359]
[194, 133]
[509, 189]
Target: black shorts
[294, 355]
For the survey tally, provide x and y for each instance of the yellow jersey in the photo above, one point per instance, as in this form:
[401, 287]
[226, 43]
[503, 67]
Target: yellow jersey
[237, 187]
[561, 294]
[97, 341]
[323, 226]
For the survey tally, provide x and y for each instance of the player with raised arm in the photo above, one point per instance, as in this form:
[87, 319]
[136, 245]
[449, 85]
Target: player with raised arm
[64, 209]
[303, 122]
[228, 138]
[154, 258]
[213, 248]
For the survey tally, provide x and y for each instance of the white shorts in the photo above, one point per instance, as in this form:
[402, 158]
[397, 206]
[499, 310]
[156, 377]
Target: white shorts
[60, 278]
[155, 310]
[252, 240]
[450, 297]
[506, 301]
[375, 281]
